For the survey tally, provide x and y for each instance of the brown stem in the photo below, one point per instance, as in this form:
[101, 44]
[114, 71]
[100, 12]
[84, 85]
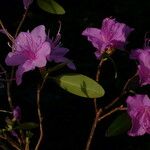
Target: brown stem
[123, 92]
[40, 119]
[99, 112]
[5, 111]
[128, 81]
[93, 129]
[6, 32]
[8, 86]
[112, 103]
[21, 22]
[39, 89]
[120, 108]
[27, 144]
[11, 142]
[97, 80]
[9, 95]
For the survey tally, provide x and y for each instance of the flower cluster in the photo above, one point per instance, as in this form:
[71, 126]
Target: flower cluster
[111, 36]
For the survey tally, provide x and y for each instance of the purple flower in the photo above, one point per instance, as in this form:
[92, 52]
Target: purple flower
[29, 51]
[27, 3]
[138, 108]
[58, 52]
[143, 57]
[112, 35]
[17, 113]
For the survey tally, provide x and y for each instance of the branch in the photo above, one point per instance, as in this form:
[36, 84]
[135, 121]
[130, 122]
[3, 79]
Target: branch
[93, 129]
[120, 108]
[40, 119]
[11, 142]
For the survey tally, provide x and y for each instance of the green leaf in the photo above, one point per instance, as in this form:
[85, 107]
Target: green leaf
[80, 85]
[27, 125]
[51, 6]
[120, 125]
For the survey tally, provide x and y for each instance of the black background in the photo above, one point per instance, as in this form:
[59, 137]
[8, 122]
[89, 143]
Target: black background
[68, 118]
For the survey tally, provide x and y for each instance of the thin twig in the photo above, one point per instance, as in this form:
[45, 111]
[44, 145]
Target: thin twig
[93, 129]
[97, 79]
[128, 81]
[40, 119]
[5, 111]
[8, 94]
[27, 144]
[120, 108]
[21, 22]
[6, 32]
[99, 112]
[112, 103]
[12, 143]
[123, 92]
[8, 86]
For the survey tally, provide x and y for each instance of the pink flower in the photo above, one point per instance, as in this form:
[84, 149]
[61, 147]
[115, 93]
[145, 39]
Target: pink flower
[143, 57]
[138, 108]
[27, 3]
[112, 35]
[58, 52]
[30, 51]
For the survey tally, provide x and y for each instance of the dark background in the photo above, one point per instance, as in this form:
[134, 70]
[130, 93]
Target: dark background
[68, 118]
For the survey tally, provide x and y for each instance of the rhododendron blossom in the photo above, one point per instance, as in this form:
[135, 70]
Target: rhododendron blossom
[58, 52]
[29, 51]
[138, 108]
[112, 35]
[143, 57]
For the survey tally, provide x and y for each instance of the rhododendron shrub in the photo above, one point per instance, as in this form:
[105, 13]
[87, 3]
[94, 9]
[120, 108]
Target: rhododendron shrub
[38, 49]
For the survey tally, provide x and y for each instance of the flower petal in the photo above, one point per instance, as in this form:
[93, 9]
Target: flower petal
[136, 129]
[38, 34]
[23, 42]
[93, 36]
[27, 66]
[40, 61]
[14, 58]
[69, 63]
[144, 75]
[44, 50]
[57, 52]
[139, 111]
[134, 104]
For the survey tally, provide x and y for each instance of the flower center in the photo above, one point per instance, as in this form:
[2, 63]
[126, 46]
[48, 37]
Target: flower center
[29, 54]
